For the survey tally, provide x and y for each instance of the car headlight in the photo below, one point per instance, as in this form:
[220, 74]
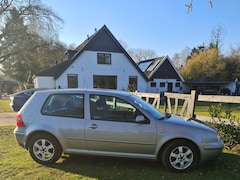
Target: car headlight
[219, 137]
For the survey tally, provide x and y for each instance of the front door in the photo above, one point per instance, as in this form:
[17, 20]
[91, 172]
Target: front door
[169, 87]
[112, 128]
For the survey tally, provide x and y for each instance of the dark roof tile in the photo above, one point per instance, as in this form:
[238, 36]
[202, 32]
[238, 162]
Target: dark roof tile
[206, 80]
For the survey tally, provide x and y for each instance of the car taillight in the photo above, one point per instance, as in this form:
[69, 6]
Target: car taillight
[19, 121]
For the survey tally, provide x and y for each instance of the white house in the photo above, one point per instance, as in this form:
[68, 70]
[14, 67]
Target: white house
[99, 62]
[162, 75]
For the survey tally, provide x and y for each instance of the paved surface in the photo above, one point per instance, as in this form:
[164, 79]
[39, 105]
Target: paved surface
[8, 118]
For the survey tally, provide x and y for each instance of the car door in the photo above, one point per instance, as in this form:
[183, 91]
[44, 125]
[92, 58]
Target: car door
[112, 129]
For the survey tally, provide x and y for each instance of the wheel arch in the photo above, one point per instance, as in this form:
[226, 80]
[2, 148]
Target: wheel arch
[32, 134]
[160, 151]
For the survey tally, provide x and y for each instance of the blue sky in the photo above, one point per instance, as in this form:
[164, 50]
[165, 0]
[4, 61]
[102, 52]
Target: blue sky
[161, 25]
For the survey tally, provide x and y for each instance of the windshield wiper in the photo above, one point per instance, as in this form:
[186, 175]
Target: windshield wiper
[167, 116]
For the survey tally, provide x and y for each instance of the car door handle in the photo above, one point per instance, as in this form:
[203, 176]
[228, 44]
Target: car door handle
[94, 126]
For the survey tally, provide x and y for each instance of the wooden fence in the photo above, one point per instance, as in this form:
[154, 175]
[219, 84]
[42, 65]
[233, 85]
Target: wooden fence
[171, 101]
[188, 105]
[152, 98]
[190, 99]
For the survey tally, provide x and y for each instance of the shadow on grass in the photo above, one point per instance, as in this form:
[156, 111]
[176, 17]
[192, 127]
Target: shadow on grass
[227, 166]
[108, 167]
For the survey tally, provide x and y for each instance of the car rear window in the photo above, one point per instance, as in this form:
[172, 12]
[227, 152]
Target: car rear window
[65, 105]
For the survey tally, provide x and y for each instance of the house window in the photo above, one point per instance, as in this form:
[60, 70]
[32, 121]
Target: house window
[177, 84]
[162, 84]
[106, 82]
[103, 58]
[132, 83]
[153, 84]
[72, 81]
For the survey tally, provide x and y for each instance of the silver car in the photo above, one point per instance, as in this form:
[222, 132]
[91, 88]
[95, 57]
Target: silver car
[111, 123]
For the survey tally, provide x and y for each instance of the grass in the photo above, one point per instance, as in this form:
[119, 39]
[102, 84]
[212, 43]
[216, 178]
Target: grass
[4, 106]
[16, 163]
[202, 109]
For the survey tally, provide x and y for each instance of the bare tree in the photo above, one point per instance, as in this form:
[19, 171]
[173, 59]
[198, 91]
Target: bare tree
[39, 19]
[235, 51]
[140, 54]
[217, 37]
[180, 59]
[123, 44]
[28, 38]
[4, 6]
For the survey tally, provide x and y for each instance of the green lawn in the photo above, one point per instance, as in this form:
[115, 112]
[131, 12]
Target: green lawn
[201, 108]
[16, 163]
[4, 106]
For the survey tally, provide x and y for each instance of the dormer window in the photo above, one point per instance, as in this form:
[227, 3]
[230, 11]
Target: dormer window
[103, 58]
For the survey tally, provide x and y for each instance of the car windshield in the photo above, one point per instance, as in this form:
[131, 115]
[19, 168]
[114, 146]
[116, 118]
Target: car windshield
[146, 106]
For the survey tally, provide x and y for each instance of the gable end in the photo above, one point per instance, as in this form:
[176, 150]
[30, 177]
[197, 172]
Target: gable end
[103, 42]
[166, 71]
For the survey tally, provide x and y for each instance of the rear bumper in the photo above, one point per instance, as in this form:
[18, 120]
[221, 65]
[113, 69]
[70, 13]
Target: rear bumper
[19, 136]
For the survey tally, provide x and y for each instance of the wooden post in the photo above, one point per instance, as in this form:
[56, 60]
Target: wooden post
[191, 104]
[165, 103]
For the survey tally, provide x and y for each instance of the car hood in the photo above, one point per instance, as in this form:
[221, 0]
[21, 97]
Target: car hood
[188, 122]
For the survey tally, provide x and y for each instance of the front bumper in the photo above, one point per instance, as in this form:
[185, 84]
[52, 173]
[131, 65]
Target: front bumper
[211, 150]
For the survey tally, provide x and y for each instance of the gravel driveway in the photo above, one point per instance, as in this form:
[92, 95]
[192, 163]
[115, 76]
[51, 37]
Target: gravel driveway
[8, 118]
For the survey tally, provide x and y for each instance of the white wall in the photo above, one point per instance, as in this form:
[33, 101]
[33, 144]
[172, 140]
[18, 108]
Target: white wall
[159, 89]
[86, 66]
[231, 87]
[44, 82]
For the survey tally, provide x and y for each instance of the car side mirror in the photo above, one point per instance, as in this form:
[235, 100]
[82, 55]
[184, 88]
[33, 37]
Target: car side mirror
[140, 119]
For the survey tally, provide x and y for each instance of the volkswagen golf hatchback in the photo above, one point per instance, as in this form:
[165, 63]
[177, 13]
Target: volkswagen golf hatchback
[111, 123]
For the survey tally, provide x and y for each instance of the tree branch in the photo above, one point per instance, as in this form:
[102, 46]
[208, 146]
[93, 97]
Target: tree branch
[190, 5]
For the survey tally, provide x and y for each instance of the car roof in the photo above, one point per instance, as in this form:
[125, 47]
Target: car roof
[28, 90]
[76, 90]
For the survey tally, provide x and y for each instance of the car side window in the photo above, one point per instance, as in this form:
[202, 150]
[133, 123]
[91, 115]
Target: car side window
[66, 105]
[110, 108]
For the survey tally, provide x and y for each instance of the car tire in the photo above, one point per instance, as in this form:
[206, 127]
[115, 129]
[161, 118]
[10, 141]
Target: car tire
[180, 156]
[44, 148]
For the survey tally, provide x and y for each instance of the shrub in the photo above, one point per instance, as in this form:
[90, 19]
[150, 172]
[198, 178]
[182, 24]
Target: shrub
[229, 132]
[221, 110]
